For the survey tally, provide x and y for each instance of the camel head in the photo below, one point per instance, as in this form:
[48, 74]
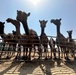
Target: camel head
[8, 20]
[14, 32]
[43, 23]
[22, 16]
[2, 27]
[70, 31]
[56, 21]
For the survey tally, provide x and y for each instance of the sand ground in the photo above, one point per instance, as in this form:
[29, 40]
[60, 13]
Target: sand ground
[38, 67]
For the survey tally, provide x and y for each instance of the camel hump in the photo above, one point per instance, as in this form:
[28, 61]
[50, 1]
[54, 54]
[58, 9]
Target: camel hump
[32, 32]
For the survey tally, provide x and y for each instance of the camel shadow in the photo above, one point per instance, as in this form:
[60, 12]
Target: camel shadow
[9, 68]
[71, 65]
[34, 67]
[38, 67]
[28, 68]
[46, 67]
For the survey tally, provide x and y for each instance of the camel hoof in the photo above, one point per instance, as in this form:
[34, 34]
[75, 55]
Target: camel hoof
[67, 58]
[38, 58]
[24, 57]
[29, 58]
[56, 58]
[15, 57]
[46, 58]
[74, 58]
[7, 57]
[50, 58]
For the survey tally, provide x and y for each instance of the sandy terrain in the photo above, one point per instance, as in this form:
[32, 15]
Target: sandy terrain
[44, 67]
[38, 68]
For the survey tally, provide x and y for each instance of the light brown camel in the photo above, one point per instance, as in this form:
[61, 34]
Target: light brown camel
[71, 43]
[60, 39]
[43, 36]
[31, 37]
[5, 38]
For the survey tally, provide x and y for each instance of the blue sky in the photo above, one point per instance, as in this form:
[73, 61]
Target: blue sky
[42, 10]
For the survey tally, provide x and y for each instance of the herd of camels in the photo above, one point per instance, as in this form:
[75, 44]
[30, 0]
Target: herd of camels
[31, 40]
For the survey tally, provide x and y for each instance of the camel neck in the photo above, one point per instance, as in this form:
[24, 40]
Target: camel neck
[18, 30]
[58, 30]
[25, 26]
[42, 30]
[70, 36]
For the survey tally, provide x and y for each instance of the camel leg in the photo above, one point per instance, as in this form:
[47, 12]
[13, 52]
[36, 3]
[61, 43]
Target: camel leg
[45, 49]
[62, 52]
[1, 51]
[14, 51]
[18, 52]
[39, 52]
[34, 52]
[54, 53]
[58, 53]
[25, 54]
[8, 51]
[67, 58]
[73, 54]
[51, 52]
[30, 49]
[23, 51]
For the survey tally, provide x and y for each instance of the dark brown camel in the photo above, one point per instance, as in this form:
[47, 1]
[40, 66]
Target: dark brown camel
[22, 39]
[71, 43]
[6, 38]
[31, 37]
[43, 36]
[17, 35]
[60, 39]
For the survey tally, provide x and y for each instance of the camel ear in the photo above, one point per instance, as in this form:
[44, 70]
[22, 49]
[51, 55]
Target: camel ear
[17, 10]
[67, 31]
[28, 14]
[46, 21]
[60, 19]
[51, 21]
[39, 21]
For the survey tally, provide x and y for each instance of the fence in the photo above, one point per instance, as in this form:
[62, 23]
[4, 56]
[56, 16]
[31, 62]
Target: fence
[18, 47]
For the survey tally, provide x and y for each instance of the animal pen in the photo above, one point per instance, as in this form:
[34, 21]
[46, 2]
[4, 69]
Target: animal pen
[26, 50]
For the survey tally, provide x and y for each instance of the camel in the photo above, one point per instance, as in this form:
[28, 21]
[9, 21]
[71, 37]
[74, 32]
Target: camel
[17, 34]
[71, 43]
[43, 36]
[20, 38]
[60, 39]
[31, 37]
[5, 39]
[16, 23]
[52, 46]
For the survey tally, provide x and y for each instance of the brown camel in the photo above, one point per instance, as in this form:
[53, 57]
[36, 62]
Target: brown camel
[31, 37]
[52, 46]
[71, 43]
[60, 39]
[43, 36]
[16, 34]
[22, 39]
[6, 38]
